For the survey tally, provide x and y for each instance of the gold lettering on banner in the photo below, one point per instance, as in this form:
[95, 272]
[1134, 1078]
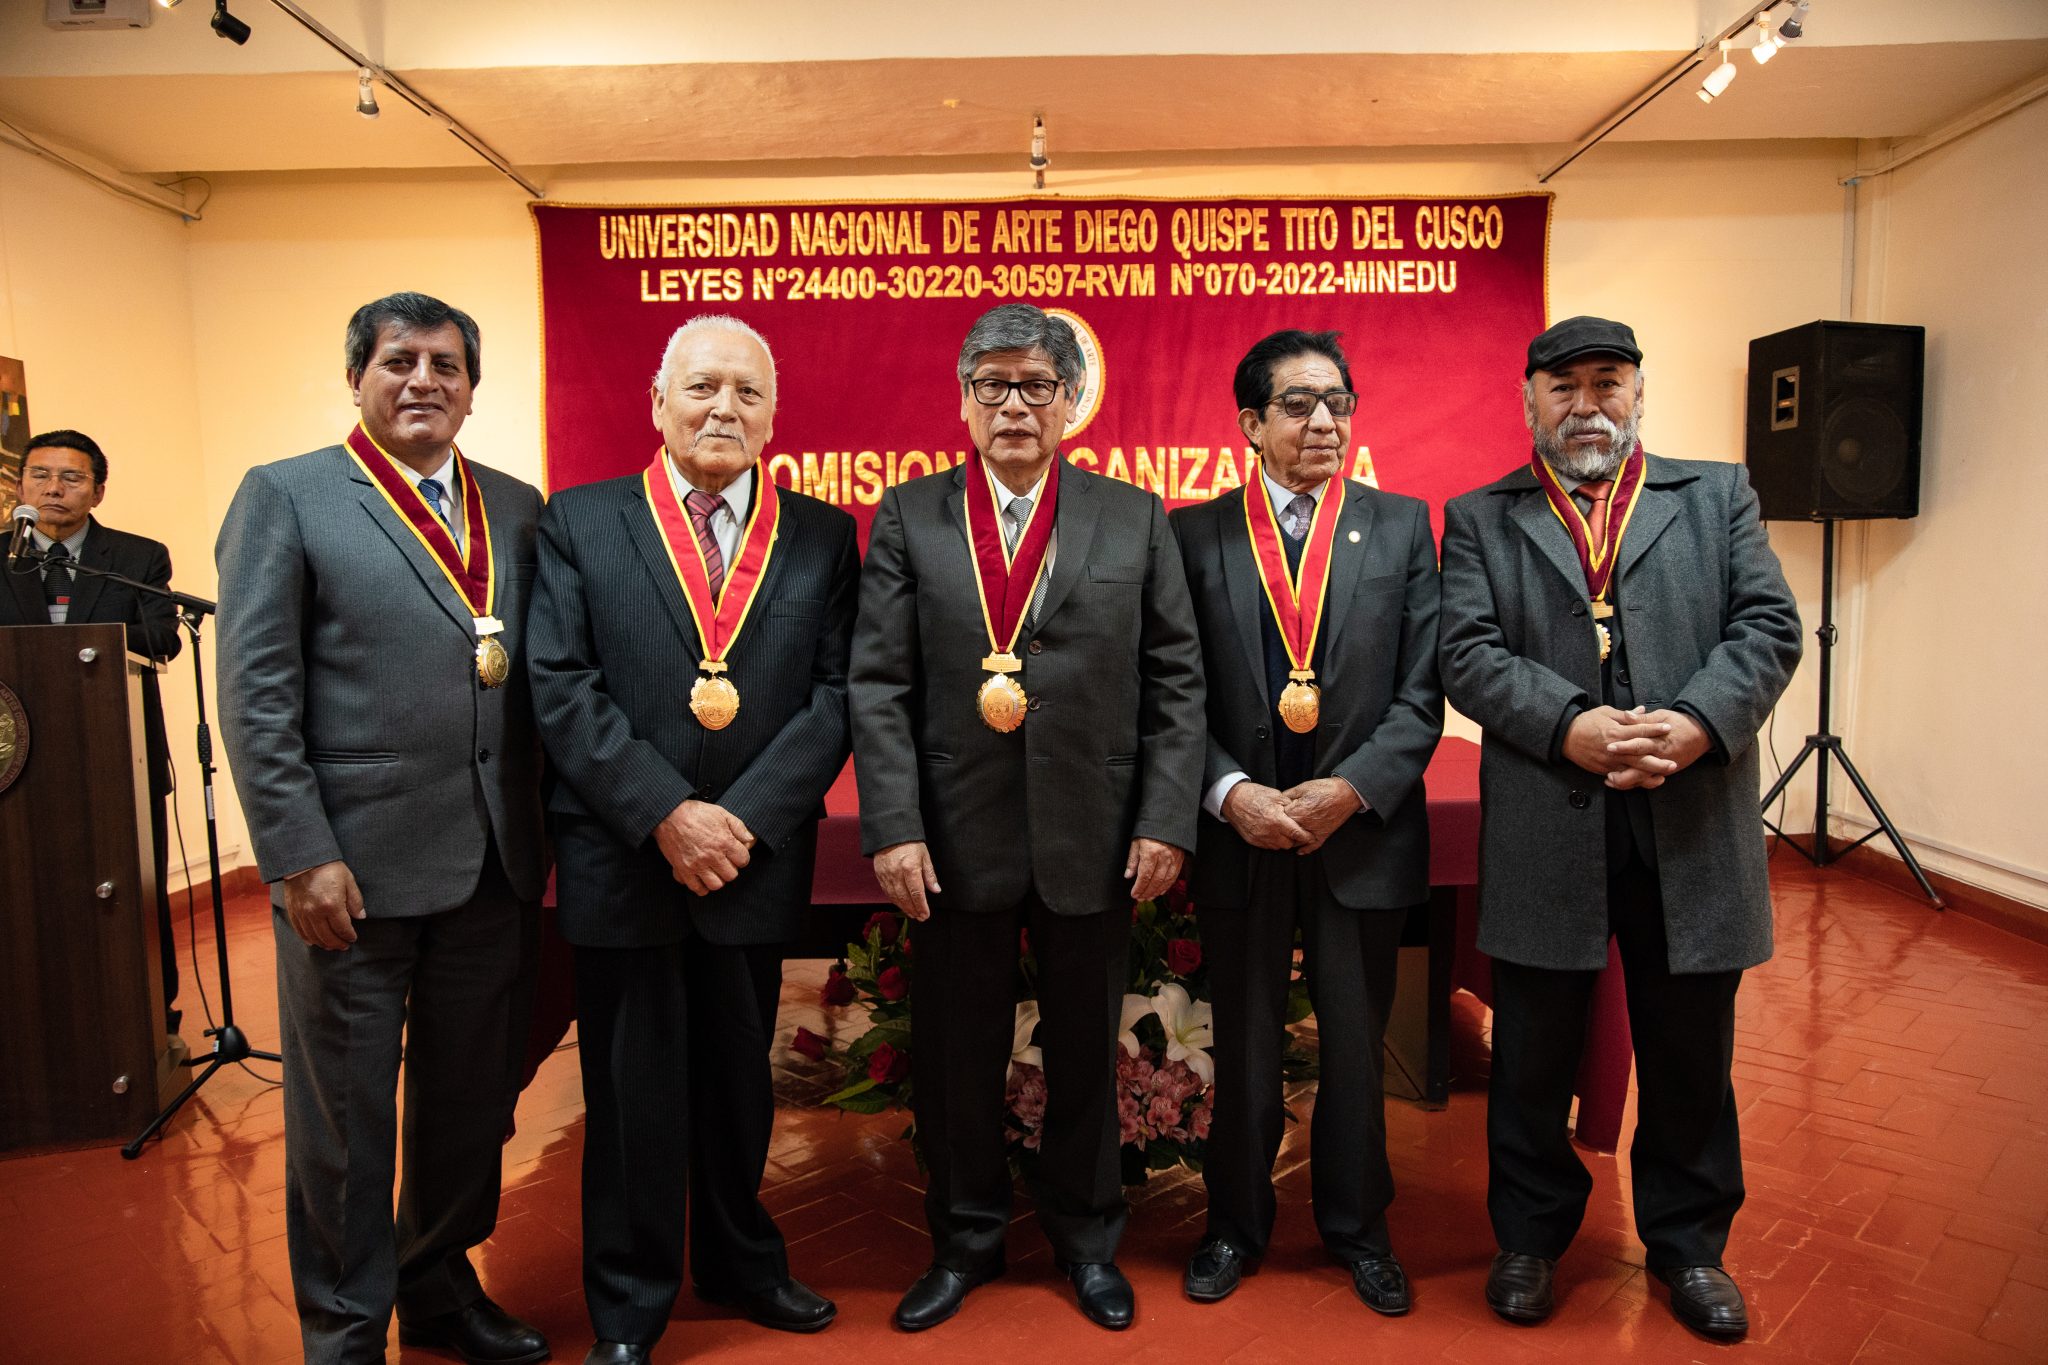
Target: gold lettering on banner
[858, 232]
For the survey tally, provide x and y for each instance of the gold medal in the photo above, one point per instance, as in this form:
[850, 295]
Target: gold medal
[714, 701]
[1002, 701]
[1601, 611]
[1301, 702]
[493, 662]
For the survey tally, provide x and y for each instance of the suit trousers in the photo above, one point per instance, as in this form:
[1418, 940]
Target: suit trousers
[1349, 957]
[961, 1035]
[440, 990]
[1685, 1161]
[679, 1104]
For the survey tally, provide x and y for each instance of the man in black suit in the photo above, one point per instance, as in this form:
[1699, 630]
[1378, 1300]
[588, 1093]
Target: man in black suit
[685, 835]
[1314, 814]
[1052, 805]
[64, 477]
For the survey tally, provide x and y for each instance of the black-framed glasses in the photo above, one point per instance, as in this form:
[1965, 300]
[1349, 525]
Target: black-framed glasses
[70, 478]
[991, 392]
[1299, 403]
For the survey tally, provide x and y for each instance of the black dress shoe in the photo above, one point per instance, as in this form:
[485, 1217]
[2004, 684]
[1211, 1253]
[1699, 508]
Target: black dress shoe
[789, 1307]
[616, 1353]
[936, 1296]
[1706, 1300]
[1382, 1285]
[1105, 1295]
[481, 1333]
[1518, 1287]
[1216, 1270]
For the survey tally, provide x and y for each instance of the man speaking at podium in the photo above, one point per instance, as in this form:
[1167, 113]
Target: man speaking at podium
[374, 703]
[64, 477]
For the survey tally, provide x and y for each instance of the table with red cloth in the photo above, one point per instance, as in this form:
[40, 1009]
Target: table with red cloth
[843, 889]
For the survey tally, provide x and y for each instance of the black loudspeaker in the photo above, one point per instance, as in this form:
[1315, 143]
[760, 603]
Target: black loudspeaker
[1834, 421]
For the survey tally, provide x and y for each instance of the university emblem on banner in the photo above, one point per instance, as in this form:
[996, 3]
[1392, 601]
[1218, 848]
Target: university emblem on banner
[1089, 401]
[13, 737]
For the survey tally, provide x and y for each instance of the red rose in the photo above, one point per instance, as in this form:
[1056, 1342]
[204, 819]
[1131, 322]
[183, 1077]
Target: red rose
[807, 1044]
[892, 984]
[886, 1065]
[884, 921]
[838, 990]
[1183, 956]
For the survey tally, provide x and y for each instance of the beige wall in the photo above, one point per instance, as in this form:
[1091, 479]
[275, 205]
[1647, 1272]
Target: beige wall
[93, 297]
[1701, 247]
[1942, 697]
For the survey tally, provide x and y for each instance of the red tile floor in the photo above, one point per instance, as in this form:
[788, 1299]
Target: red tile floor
[1891, 1066]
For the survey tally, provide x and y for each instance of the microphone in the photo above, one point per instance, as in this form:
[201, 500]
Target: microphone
[25, 516]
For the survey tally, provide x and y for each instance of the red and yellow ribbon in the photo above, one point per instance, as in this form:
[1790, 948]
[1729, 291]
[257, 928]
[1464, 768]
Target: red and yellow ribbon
[472, 574]
[1295, 597]
[1598, 561]
[718, 619]
[1006, 581]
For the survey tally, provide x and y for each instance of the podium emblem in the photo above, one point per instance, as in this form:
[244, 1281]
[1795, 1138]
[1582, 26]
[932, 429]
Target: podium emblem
[13, 737]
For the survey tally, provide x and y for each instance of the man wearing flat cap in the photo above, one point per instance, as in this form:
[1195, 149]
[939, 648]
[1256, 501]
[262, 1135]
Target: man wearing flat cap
[1617, 623]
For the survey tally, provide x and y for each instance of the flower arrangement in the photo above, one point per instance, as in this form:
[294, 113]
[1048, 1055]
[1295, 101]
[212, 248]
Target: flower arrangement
[1165, 1076]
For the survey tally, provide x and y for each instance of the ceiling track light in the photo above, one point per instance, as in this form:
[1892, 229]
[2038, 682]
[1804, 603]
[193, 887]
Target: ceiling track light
[1767, 42]
[366, 94]
[227, 25]
[167, 4]
[1719, 79]
[1795, 27]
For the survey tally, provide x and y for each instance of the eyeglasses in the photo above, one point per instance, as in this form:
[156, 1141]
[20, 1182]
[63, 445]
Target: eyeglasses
[1299, 403]
[991, 392]
[70, 478]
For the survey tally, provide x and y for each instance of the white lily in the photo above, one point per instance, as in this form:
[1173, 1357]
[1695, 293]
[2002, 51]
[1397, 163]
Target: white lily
[1136, 1007]
[1189, 1031]
[1021, 1050]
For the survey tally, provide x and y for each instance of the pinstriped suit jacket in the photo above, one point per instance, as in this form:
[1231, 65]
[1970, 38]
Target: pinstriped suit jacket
[612, 654]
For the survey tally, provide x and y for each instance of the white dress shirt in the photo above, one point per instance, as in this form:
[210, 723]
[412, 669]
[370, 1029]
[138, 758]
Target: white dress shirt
[74, 545]
[725, 520]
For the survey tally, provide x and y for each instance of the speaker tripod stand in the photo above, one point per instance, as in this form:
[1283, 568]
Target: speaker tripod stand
[1824, 744]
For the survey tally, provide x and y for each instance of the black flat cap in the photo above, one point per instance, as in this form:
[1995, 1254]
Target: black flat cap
[1574, 337]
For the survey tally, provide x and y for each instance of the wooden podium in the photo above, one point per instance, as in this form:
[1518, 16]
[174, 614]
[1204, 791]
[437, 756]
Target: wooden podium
[81, 994]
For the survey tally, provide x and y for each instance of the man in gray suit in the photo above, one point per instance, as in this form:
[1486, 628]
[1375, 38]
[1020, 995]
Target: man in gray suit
[1619, 626]
[375, 708]
[1029, 749]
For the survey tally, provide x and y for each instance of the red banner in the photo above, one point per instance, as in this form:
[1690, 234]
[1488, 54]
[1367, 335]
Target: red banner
[865, 306]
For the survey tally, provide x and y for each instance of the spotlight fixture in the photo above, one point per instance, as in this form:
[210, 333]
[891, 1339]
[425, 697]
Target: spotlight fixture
[1795, 27]
[366, 95]
[167, 4]
[1039, 161]
[1767, 42]
[1719, 79]
[227, 25]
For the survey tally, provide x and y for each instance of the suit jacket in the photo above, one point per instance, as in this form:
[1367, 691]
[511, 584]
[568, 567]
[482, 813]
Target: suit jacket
[1710, 625]
[355, 725]
[152, 621]
[1382, 709]
[1111, 748]
[612, 653]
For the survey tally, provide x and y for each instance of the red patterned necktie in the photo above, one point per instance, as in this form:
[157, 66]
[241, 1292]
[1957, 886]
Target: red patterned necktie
[701, 507]
[1596, 494]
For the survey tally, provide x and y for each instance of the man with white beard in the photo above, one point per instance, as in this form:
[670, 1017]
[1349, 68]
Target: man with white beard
[1618, 625]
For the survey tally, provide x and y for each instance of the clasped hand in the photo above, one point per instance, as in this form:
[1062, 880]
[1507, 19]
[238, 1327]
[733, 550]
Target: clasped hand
[1636, 749]
[706, 845]
[1300, 818]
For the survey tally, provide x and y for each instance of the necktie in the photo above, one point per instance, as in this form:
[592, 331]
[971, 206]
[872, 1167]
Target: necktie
[56, 574]
[1298, 515]
[432, 490]
[1015, 517]
[1595, 495]
[702, 506]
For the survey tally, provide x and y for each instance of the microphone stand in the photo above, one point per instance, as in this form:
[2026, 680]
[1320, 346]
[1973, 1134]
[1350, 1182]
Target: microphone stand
[230, 1044]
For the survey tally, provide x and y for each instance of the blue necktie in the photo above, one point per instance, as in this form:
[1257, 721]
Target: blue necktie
[433, 490]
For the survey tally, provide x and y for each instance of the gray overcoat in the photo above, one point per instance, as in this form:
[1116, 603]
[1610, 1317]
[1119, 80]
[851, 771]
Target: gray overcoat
[1709, 623]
